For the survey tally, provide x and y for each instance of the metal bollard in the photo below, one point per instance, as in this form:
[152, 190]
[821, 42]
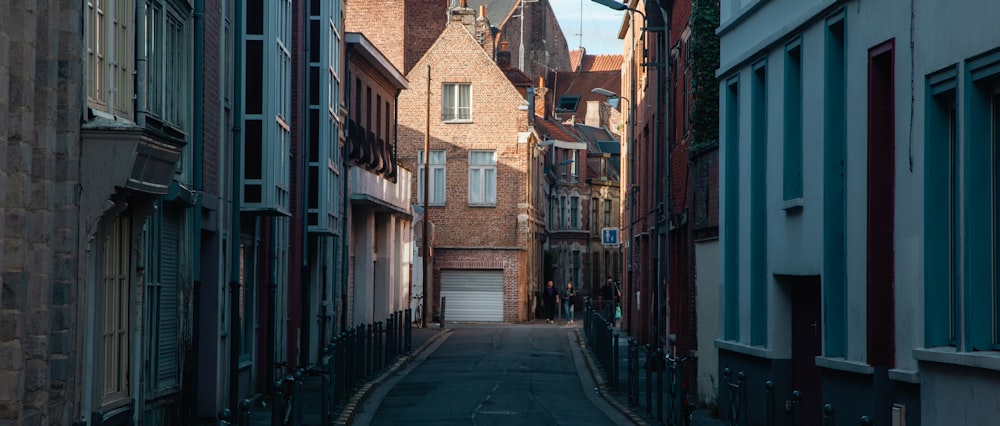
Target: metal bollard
[615, 360]
[769, 392]
[244, 416]
[649, 380]
[796, 408]
[658, 356]
[829, 415]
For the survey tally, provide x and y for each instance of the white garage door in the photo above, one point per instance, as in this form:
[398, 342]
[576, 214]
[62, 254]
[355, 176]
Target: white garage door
[472, 295]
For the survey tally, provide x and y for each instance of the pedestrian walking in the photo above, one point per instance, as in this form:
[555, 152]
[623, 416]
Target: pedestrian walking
[550, 297]
[568, 294]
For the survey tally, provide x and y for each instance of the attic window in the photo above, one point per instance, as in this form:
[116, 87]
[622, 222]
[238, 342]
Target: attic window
[568, 103]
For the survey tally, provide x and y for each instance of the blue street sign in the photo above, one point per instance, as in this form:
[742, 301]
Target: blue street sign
[609, 237]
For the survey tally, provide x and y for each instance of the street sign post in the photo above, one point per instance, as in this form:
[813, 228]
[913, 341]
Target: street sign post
[609, 237]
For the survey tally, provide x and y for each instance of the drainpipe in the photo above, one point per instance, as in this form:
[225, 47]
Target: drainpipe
[304, 202]
[234, 210]
[198, 125]
[344, 206]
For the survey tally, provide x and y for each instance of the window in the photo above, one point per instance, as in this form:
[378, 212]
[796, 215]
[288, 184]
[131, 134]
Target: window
[248, 300]
[730, 214]
[577, 267]
[114, 325]
[437, 174]
[110, 50]
[456, 102]
[758, 205]
[568, 103]
[574, 159]
[553, 212]
[574, 212]
[792, 176]
[593, 215]
[835, 189]
[942, 211]
[607, 213]
[482, 178]
[563, 213]
[165, 52]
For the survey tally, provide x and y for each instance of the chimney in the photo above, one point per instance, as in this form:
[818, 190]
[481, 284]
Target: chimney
[503, 56]
[465, 15]
[541, 98]
[482, 27]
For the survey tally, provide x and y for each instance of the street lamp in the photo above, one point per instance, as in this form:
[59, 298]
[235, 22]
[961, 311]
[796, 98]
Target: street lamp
[613, 99]
[612, 4]
[662, 251]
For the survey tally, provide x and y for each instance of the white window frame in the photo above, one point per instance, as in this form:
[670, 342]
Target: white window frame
[114, 326]
[574, 156]
[110, 48]
[456, 102]
[481, 175]
[165, 48]
[438, 160]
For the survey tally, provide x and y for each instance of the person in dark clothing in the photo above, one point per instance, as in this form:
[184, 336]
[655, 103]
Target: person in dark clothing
[550, 297]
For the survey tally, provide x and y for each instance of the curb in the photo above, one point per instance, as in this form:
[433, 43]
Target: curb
[602, 383]
[358, 399]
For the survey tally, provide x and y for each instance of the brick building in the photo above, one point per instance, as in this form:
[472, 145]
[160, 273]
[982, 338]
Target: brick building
[665, 185]
[582, 168]
[482, 160]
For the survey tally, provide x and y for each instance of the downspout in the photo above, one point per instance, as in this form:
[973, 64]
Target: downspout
[344, 206]
[234, 211]
[662, 210]
[198, 124]
[306, 300]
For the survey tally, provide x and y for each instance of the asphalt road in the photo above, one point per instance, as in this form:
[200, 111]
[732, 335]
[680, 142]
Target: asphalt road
[493, 375]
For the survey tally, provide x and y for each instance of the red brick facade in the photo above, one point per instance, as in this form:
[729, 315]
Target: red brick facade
[402, 30]
[475, 236]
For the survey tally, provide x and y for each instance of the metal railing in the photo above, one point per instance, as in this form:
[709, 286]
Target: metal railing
[318, 394]
[660, 392]
[739, 412]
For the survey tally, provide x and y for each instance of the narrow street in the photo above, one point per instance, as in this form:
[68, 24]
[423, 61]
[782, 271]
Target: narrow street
[493, 375]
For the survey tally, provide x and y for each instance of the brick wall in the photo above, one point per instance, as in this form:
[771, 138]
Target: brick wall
[40, 106]
[496, 122]
[402, 30]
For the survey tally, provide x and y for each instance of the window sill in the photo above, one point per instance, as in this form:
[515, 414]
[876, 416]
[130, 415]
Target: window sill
[792, 204]
[842, 364]
[459, 121]
[482, 206]
[745, 349]
[987, 360]
[908, 376]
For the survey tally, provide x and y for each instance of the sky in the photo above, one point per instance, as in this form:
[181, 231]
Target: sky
[600, 25]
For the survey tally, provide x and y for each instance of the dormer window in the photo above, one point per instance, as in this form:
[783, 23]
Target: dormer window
[567, 103]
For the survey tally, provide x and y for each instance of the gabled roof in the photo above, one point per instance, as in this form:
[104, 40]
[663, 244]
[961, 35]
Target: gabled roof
[575, 57]
[602, 71]
[517, 77]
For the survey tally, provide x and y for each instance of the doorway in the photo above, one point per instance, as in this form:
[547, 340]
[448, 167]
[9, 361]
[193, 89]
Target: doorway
[807, 342]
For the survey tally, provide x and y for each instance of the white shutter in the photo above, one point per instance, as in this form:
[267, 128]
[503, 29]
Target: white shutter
[473, 295]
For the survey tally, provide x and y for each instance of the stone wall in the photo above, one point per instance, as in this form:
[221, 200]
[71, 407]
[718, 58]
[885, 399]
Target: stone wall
[41, 73]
